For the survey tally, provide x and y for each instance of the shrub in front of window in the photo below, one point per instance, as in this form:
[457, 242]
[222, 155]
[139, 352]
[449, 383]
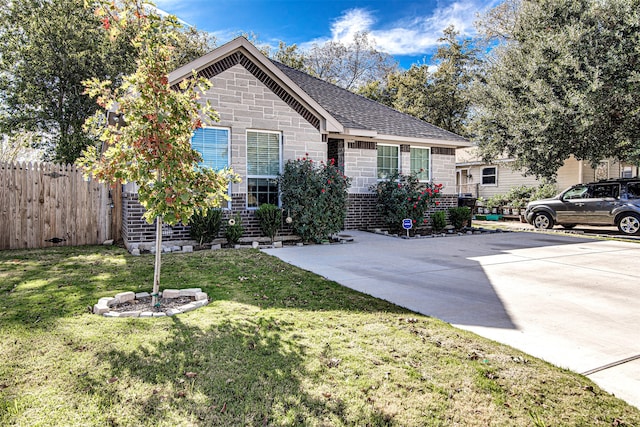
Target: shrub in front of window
[270, 219]
[234, 230]
[459, 217]
[315, 197]
[205, 224]
[404, 196]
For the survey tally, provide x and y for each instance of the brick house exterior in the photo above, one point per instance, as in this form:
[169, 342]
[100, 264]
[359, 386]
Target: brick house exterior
[311, 118]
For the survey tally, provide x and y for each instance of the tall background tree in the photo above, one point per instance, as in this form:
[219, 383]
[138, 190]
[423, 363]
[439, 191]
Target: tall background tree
[153, 148]
[349, 65]
[563, 81]
[437, 92]
[47, 48]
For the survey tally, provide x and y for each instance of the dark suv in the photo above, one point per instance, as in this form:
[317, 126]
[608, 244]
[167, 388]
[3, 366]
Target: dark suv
[610, 202]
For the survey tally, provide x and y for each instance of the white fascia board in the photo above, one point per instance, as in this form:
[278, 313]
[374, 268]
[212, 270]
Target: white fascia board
[426, 141]
[330, 123]
[365, 133]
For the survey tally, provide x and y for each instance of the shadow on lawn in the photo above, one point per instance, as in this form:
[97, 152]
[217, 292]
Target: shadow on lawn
[233, 373]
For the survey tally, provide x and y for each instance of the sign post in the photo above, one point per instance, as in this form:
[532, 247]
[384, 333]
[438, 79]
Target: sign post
[407, 224]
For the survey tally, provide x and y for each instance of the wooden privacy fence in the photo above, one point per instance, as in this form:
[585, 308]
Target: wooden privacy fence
[45, 204]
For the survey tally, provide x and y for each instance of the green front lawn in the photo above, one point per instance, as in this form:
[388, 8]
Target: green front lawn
[277, 346]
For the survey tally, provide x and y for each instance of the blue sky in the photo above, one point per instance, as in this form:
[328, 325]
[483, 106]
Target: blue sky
[406, 29]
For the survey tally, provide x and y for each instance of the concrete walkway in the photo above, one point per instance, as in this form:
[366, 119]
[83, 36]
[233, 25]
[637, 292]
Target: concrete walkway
[572, 301]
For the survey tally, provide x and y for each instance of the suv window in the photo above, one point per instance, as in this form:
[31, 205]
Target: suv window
[633, 190]
[603, 191]
[579, 192]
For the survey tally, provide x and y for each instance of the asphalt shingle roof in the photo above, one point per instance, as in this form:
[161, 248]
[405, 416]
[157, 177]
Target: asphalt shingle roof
[357, 112]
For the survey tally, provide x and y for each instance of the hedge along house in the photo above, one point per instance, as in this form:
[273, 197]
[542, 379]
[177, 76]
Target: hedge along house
[270, 113]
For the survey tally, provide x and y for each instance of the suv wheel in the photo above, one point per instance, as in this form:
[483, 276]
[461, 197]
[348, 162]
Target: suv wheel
[542, 220]
[629, 223]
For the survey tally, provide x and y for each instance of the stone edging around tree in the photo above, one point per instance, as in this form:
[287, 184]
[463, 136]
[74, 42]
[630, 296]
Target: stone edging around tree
[106, 306]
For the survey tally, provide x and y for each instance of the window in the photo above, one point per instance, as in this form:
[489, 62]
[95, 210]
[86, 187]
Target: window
[577, 192]
[213, 146]
[490, 176]
[633, 190]
[605, 191]
[420, 163]
[263, 167]
[387, 160]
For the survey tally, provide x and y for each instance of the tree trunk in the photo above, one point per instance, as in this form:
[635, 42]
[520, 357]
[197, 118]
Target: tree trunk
[158, 263]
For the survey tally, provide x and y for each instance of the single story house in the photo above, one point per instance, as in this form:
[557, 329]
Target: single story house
[270, 113]
[480, 179]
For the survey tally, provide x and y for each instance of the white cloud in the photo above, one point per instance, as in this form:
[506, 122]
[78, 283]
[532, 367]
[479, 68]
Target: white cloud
[414, 35]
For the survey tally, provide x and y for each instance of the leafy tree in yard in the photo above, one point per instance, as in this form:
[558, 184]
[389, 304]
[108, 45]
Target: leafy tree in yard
[153, 149]
[564, 82]
[47, 49]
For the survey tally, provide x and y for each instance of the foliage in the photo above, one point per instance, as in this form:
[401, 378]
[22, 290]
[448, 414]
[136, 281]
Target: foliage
[563, 82]
[18, 147]
[544, 191]
[404, 196]
[349, 65]
[495, 201]
[440, 97]
[518, 196]
[304, 337]
[289, 55]
[438, 220]
[270, 218]
[204, 224]
[234, 230]
[315, 197]
[460, 217]
[47, 49]
[154, 148]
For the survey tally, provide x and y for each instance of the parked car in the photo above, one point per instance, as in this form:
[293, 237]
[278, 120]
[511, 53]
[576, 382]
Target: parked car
[610, 202]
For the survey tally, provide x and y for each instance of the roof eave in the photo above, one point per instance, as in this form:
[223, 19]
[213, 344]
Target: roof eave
[458, 143]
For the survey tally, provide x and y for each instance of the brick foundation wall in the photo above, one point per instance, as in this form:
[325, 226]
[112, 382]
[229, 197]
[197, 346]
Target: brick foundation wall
[361, 215]
[136, 229]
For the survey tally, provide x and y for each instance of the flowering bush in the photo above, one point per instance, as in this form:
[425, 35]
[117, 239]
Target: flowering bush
[404, 196]
[315, 197]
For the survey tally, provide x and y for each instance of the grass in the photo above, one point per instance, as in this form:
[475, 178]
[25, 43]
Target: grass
[277, 346]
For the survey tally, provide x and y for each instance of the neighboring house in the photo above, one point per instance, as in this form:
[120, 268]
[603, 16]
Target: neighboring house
[270, 113]
[480, 179]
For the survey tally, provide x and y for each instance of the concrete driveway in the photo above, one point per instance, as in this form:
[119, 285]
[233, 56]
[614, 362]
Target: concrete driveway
[572, 301]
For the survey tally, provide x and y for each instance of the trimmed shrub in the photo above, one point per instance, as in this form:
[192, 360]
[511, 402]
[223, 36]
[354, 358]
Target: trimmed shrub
[404, 196]
[315, 197]
[459, 217]
[205, 224]
[270, 218]
[438, 221]
[234, 230]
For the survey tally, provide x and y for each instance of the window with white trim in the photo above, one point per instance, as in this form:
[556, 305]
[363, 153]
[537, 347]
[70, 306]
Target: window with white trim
[388, 156]
[490, 176]
[264, 162]
[420, 163]
[213, 145]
